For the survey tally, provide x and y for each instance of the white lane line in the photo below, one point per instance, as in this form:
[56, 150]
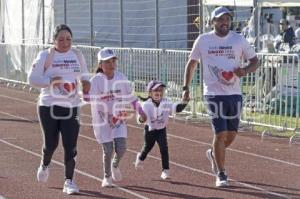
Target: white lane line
[203, 172]
[230, 149]
[185, 167]
[76, 170]
[15, 116]
[187, 139]
[18, 99]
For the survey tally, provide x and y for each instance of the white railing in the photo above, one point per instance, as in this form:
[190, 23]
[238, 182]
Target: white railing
[271, 94]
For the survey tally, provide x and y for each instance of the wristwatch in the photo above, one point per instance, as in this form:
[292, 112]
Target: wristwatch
[185, 88]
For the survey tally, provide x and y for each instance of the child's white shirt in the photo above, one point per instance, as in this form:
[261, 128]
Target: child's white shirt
[108, 99]
[158, 117]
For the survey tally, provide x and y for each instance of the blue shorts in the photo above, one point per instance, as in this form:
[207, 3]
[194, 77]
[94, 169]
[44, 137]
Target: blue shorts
[225, 111]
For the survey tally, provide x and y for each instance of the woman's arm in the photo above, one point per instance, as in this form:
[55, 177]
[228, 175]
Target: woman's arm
[36, 75]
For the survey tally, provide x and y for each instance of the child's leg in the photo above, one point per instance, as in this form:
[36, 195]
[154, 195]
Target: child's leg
[107, 155]
[149, 141]
[163, 147]
[120, 148]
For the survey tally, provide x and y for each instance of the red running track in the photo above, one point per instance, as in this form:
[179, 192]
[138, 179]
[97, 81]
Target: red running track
[268, 169]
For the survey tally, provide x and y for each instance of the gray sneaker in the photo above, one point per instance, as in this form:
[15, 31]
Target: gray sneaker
[211, 159]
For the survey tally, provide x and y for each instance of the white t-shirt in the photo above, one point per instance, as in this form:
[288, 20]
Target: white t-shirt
[109, 100]
[158, 117]
[65, 65]
[297, 34]
[220, 56]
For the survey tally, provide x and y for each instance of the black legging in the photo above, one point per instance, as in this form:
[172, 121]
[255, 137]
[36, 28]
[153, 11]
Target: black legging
[160, 136]
[55, 119]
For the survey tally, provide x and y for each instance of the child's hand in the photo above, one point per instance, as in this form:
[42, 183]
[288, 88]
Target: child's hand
[86, 86]
[142, 117]
[55, 81]
[140, 120]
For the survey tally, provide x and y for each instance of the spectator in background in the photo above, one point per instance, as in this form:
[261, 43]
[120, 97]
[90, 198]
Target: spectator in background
[297, 34]
[296, 47]
[238, 27]
[249, 31]
[269, 27]
[287, 34]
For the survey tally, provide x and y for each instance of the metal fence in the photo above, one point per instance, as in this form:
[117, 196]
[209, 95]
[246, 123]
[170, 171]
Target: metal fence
[271, 94]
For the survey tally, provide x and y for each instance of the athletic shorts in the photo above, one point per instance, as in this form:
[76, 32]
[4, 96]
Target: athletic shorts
[225, 112]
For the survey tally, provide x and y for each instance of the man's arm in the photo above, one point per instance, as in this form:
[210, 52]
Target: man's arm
[188, 76]
[251, 67]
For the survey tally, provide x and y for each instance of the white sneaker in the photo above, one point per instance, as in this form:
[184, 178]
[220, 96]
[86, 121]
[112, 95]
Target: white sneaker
[221, 180]
[107, 182]
[116, 173]
[211, 159]
[138, 164]
[42, 173]
[70, 187]
[165, 174]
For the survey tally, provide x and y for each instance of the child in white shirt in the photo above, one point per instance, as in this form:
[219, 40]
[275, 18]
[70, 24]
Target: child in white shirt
[110, 94]
[157, 109]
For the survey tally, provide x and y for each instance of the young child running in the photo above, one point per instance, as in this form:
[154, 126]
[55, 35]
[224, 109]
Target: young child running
[109, 96]
[157, 109]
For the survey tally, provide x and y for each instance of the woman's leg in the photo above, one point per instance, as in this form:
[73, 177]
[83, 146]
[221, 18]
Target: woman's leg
[50, 130]
[69, 132]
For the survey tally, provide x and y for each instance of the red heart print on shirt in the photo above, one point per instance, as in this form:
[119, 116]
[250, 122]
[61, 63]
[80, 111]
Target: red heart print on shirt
[114, 120]
[69, 86]
[228, 75]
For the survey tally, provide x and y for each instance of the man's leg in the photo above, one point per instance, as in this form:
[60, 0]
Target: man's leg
[234, 112]
[216, 156]
[230, 138]
[219, 149]
[221, 141]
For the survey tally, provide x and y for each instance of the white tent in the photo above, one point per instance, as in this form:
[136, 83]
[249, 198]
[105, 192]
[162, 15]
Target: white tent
[23, 24]
[254, 3]
[250, 3]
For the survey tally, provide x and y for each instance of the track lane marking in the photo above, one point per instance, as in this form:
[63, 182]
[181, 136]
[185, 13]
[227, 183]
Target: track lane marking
[171, 162]
[183, 138]
[203, 172]
[76, 170]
